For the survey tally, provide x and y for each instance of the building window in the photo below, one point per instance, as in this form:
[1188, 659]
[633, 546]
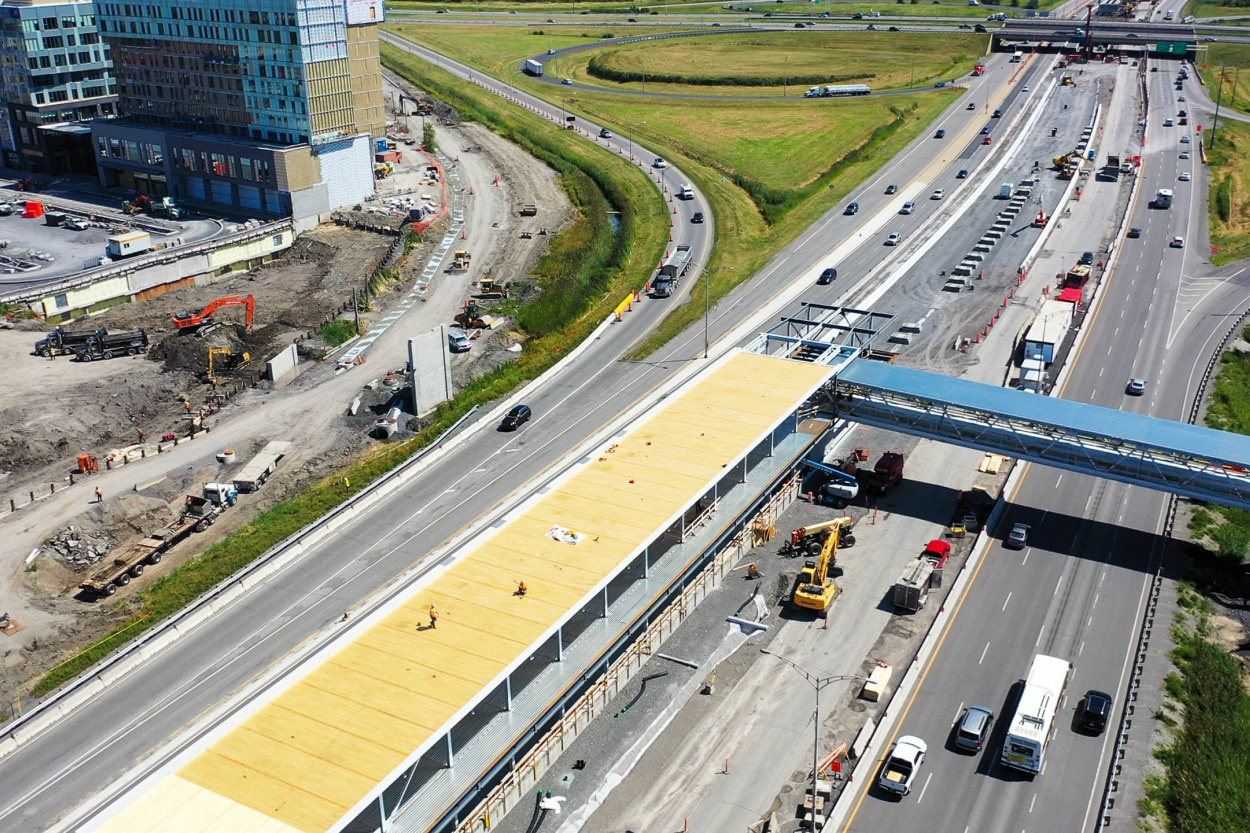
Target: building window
[61, 301]
[102, 145]
[50, 23]
[53, 42]
[245, 169]
[69, 22]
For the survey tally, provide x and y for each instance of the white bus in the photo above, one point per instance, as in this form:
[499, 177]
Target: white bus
[1033, 724]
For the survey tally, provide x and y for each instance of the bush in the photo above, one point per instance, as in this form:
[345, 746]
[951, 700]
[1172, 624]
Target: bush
[599, 67]
[1224, 199]
[428, 143]
[337, 332]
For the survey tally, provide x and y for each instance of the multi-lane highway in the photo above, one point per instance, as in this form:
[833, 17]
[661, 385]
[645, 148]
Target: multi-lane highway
[1076, 590]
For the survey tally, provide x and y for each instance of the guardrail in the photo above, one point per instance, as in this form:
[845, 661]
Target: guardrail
[156, 259]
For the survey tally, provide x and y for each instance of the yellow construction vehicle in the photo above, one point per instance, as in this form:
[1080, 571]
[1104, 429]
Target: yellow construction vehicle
[489, 289]
[1067, 81]
[1065, 160]
[471, 317]
[814, 590]
[460, 262]
[228, 359]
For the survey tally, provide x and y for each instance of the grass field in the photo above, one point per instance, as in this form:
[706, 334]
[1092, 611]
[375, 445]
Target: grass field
[835, 8]
[1231, 58]
[1207, 9]
[882, 60]
[1229, 208]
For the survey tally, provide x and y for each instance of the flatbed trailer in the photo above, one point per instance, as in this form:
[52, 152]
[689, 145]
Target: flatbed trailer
[253, 475]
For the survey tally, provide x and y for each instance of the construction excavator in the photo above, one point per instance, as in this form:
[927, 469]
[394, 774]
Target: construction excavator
[202, 322]
[1067, 164]
[228, 360]
[814, 590]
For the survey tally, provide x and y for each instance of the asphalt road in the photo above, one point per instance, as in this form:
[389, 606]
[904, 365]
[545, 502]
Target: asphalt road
[83, 754]
[1076, 591]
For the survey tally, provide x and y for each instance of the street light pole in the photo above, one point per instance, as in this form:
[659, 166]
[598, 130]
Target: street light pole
[631, 139]
[817, 683]
[707, 300]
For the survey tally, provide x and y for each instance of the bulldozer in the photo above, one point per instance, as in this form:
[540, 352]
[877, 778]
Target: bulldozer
[814, 590]
[489, 289]
[224, 358]
[472, 317]
[460, 263]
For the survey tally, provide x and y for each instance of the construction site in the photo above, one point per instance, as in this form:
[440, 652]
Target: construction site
[185, 374]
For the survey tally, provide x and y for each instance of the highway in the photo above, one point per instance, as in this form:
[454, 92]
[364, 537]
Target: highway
[83, 755]
[1076, 591]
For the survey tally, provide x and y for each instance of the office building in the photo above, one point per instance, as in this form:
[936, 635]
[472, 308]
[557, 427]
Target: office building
[262, 107]
[55, 72]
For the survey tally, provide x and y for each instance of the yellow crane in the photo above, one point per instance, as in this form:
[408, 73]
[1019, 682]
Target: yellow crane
[814, 590]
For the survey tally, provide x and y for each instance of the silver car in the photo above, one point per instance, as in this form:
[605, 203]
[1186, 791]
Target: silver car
[973, 729]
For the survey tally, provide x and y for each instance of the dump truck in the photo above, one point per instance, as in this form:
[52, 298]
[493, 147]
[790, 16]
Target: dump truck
[887, 473]
[198, 513]
[113, 344]
[898, 773]
[252, 476]
[814, 589]
[61, 342]
[1077, 276]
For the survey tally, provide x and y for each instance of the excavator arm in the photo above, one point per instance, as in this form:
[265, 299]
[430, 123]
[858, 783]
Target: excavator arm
[188, 320]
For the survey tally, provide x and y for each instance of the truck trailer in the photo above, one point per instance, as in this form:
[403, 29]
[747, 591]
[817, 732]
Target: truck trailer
[257, 471]
[113, 344]
[532, 67]
[60, 342]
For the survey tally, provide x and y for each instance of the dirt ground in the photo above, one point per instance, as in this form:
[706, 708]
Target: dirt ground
[52, 410]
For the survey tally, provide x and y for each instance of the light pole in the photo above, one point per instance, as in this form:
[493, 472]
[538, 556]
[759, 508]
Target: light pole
[817, 683]
[631, 139]
[707, 300]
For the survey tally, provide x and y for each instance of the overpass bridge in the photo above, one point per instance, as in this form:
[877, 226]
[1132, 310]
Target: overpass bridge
[1145, 38]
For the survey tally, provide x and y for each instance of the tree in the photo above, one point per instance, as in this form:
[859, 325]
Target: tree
[428, 144]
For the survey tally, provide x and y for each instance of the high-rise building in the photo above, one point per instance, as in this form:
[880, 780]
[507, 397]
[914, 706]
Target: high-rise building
[261, 106]
[54, 72]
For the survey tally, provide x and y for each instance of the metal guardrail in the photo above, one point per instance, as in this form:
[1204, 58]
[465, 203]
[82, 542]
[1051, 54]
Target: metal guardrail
[130, 265]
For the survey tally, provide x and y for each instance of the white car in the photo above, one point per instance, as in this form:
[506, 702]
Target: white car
[908, 208]
[1185, 139]
[1181, 98]
[1177, 243]
[1026, 88]
[893, 239]
[568, 82]
[1169, 122]
[1184, 154]
[938, 194]
[659, 163]
[1184, 177]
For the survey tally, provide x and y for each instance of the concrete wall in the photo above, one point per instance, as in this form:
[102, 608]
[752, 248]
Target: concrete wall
[347, 170]
[282, 364]
[429, 365]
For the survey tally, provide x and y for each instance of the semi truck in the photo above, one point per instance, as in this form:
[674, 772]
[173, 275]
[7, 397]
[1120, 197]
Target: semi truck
[252, 476]
[198, 513]
[832, 90]
[129, 244]
[113, 344]
[532, 67]
[898, 773]
[60, 342]
[674, 267]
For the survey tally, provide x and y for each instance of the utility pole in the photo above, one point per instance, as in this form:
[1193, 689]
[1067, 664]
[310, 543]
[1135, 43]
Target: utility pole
[1219, 95]
[707, 300]
[785, 76]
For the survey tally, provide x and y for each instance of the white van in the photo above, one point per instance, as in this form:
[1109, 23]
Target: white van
[685, 192]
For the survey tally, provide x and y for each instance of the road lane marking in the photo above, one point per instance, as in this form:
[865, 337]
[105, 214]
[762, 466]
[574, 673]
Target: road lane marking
[1039, 635]
[1032, 801]
[1026, 557]
[1081, 650]
[1005, 603]
[1058, 584]
[983, 650]
[1095, 604]
[925, 787]
[1058, 480]
[1089, 622]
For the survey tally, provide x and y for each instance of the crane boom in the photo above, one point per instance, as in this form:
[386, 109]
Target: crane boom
[814, 590]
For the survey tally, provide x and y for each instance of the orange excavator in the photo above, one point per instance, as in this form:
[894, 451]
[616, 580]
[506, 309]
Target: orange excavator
[203, 318]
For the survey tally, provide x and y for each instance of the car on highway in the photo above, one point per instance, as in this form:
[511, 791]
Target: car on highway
[632, 20]
[1094, 712]
[937, 194]
[1210, 39]
[851, 209]
[515, 418]
[973, 729]
[798, 26]
[894, 29]
[987, 140]
[1178, 242]
[1184, 177]
[965, 26]
[697, 218]
[828, 276]
[549, 20]
[963, 174]
[1087, 259]
[1026, 88]
[891, 189]
[1185, 139]
[972, 105]
[605, 134]
[893, 239]
[659, 162]
[1184, 154]
[1132, 35]
[998, 114]
[908, 208]
[941, 134]
[872, 27]
[985, 131]
[1169, 122]
[1018, 537]
[568, 82]
[5, 209]
[1135, 387]
[1181, 98]
[1134, 233]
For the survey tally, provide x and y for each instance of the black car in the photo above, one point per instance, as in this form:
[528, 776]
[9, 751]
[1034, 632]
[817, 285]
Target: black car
[891, 189]
[828, 276]
[1094, 712]
[1087, 258]
[852, 209]
[1134, 232]
[941, 134]
[998, 114]
[517, 417]
[697, 218]
[963, 174]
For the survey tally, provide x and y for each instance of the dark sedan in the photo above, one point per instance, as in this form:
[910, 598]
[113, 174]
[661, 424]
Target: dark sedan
[517, 417]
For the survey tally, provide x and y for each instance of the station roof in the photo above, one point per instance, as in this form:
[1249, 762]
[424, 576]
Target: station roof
[1075, 418]
[309, 758]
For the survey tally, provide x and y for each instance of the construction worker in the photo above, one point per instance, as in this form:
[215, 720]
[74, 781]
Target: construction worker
[99, 498]
[433, 617]
[521, 589]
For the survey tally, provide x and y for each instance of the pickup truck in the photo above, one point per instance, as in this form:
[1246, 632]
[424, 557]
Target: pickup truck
[898, 774]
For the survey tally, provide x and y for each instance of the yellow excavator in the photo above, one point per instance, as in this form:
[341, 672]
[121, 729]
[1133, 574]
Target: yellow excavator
[814, 590]
[1067, 164]
[228, 359]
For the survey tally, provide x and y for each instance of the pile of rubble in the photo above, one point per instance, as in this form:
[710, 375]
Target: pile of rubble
[76, 547]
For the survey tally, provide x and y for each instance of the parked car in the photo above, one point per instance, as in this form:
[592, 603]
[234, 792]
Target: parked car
[517, 417]
[1018, 537]
[893, 239]
[973, 728]
[1087, 259]
[828, 276]
[1135, 387]
[1094, 712]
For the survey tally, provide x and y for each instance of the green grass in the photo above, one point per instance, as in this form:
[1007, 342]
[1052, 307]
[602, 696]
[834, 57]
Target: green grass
[1206, 9]
[1229, 164]
[882, 60]
[1231, 58]
[338, 331]
[1207, 786]
[584, 273]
